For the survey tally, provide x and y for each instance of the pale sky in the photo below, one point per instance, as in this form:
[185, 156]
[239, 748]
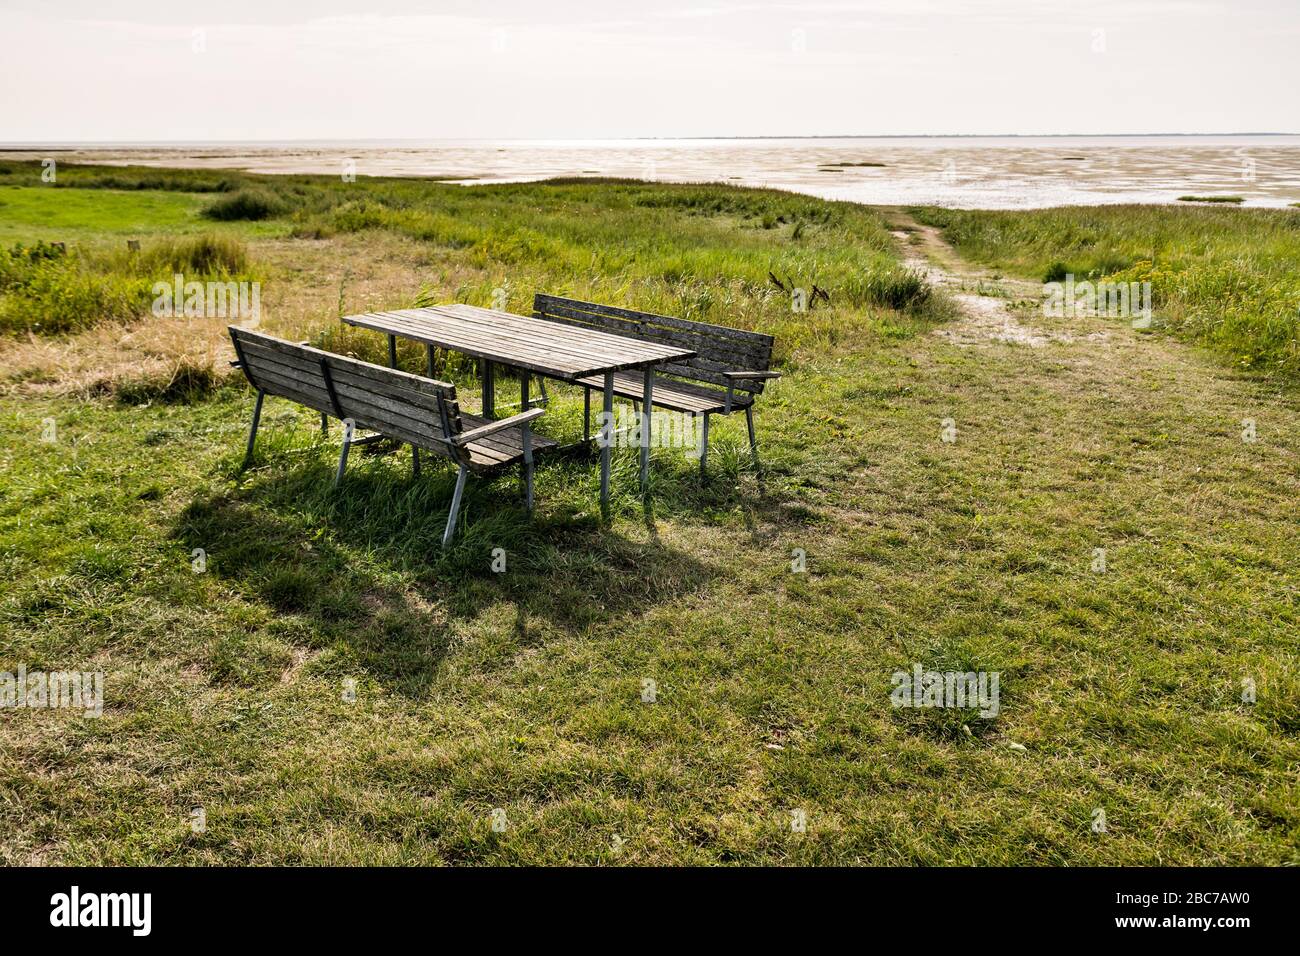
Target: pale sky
[79, 70]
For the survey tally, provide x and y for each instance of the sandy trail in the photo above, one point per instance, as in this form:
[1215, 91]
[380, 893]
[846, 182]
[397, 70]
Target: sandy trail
[981, 296]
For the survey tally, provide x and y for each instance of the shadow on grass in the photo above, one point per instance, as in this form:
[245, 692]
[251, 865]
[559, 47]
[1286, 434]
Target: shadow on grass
[360, 569]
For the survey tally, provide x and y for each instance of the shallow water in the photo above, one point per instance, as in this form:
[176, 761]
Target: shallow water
[969, 172]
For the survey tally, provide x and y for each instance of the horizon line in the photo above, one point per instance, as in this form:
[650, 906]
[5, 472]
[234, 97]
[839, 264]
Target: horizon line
[15, 145]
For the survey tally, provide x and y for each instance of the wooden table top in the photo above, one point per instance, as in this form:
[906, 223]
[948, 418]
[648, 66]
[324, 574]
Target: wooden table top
[520, 341]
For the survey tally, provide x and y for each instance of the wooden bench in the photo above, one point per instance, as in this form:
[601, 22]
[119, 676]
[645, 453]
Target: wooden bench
[392, 404]
[728, 370]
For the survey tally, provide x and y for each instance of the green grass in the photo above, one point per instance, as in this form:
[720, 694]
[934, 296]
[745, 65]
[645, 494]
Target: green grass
[1225, 278]
[45, 289]
[1212, 199]
[44, 212]
[696, 251]
[232, 689]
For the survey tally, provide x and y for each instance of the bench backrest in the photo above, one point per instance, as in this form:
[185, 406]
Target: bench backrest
[718, 348]
[407, 407]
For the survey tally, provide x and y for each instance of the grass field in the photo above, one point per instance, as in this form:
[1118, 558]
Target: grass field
[332, 688]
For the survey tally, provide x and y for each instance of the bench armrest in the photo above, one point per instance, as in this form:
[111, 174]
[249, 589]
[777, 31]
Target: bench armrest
[474, 434]
[731, 378]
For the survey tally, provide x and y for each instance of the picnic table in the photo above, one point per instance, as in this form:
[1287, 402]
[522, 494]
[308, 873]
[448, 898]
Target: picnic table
[532, 345]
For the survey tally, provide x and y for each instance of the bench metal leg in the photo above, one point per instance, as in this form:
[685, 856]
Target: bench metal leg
[753, 443]
[704, 445]
[586, 414]
[489, 396]
[455, 505]
[607, 428]
[343, 455]
[324, 424]
[646, 395]
[252, 432]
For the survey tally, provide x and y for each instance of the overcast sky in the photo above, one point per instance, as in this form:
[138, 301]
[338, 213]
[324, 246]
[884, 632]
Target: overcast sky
[285, 69]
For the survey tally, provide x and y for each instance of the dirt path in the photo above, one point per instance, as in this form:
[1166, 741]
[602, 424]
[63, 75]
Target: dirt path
[982, 296]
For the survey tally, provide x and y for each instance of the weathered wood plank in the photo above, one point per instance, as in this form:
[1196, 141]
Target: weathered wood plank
[720, 349]
[717, 349]
[670, 321]
[670, 393]
[522, 342]
[365, 369]
[375, 398]
[526, 345]
[711, 371]
[394, 391]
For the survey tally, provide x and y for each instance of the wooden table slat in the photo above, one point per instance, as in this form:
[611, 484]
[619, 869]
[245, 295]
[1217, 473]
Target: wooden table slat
[537, 342]
[548, 348]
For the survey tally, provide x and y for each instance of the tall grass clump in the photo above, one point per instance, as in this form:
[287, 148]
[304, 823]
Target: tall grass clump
[250, 205]
[207, 255]
[46, 289]
[903, 289]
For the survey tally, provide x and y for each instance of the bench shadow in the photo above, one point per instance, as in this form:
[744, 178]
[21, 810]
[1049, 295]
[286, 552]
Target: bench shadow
[360, 570]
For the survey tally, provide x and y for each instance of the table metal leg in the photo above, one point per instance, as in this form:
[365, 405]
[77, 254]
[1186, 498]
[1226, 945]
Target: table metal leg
[646, 396]
[526, 466]
[428, 351]
[607, 443]
[489, 397]
[415, 452]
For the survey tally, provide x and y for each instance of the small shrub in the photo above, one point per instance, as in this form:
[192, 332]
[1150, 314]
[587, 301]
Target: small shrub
[355, 216]
[1056, 272]
[247, 204]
